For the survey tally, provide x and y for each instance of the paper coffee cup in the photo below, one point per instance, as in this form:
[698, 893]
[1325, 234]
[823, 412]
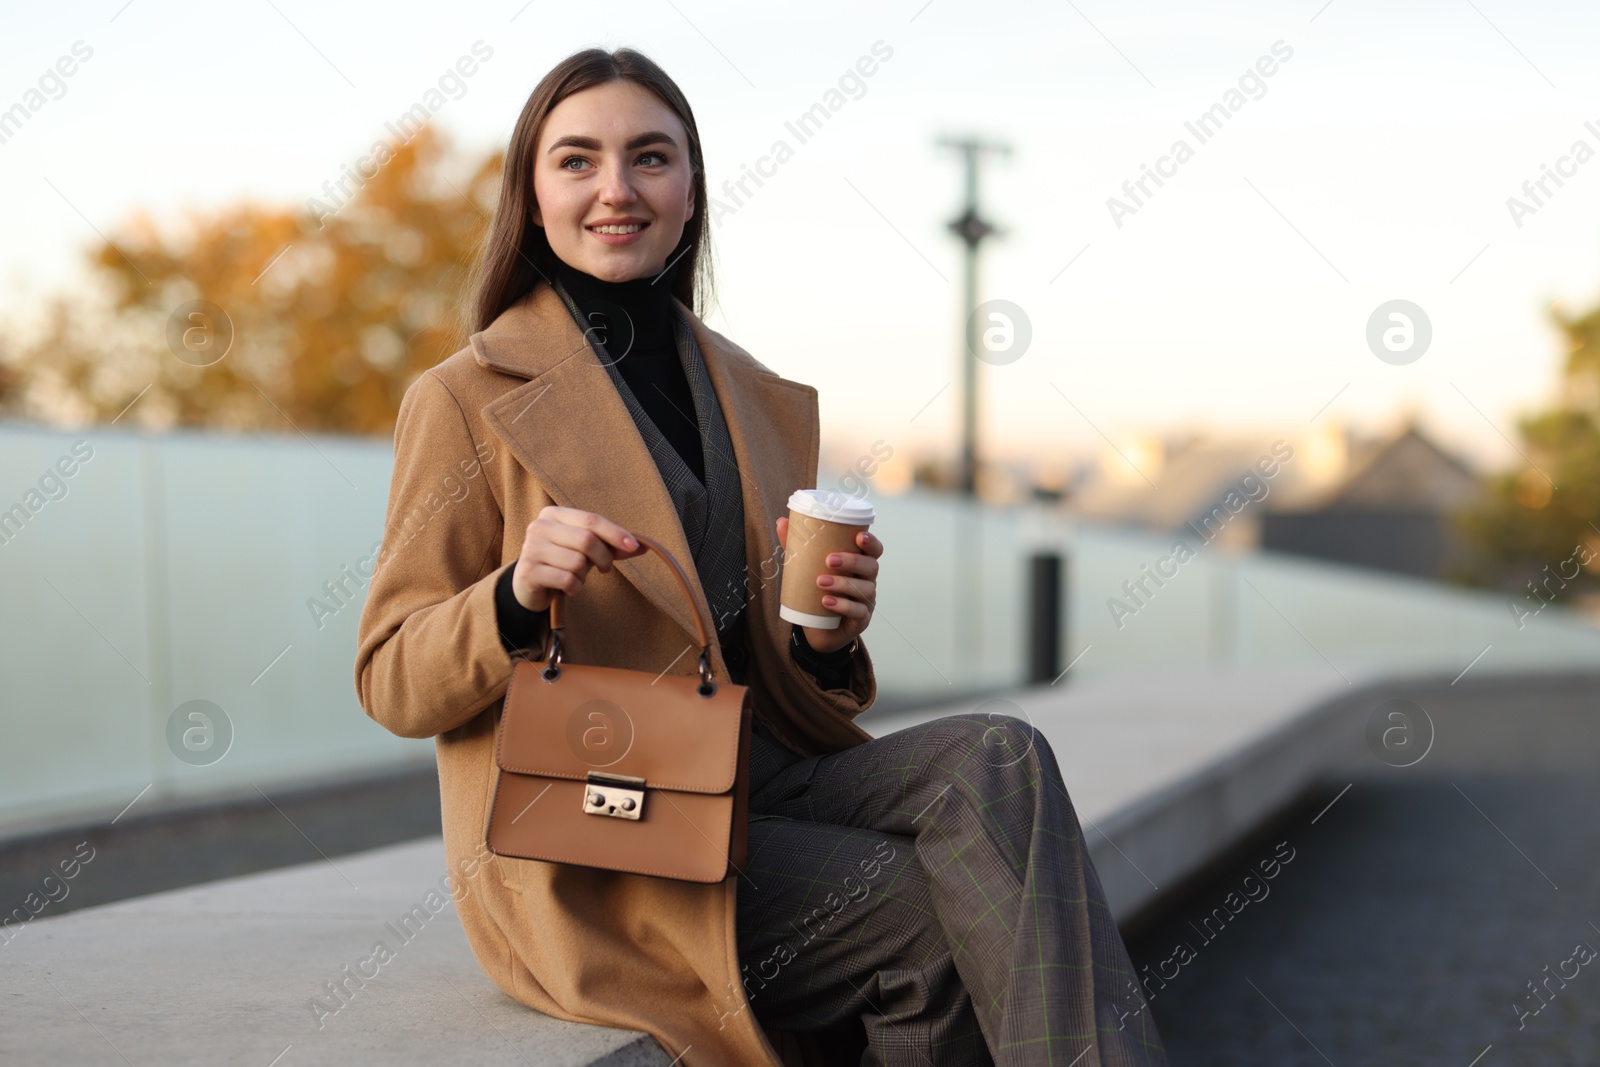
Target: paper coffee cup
[820, 521]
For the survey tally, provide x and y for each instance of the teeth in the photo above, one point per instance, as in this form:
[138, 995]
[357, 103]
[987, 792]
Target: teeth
[632, 227]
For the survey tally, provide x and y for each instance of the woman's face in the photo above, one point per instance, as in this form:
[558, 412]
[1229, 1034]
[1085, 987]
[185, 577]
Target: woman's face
[613, 158]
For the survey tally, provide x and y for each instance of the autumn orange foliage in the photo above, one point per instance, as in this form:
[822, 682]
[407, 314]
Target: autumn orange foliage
[331, 319]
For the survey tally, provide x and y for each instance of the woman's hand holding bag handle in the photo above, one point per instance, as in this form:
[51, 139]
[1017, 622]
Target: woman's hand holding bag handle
[702, 632]
[623, 770]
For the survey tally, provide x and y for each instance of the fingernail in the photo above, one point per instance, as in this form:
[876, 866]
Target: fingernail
[630, 542]
[835, 559]
[830, 601]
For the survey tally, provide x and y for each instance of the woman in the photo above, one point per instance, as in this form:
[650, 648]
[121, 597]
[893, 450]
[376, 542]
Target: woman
[921, 898]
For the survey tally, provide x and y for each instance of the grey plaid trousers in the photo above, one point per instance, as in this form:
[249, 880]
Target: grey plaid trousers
[932, 889]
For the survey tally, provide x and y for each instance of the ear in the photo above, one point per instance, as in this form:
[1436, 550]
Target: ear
[536, 215]
[690, 215]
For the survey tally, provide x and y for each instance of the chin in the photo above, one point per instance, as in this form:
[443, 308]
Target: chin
[616, 272]
[619, 270]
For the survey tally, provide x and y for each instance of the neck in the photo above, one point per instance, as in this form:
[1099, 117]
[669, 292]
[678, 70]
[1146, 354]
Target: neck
[646, 300]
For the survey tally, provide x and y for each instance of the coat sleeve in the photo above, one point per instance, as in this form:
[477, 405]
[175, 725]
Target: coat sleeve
[852, 690]
[429, 653]
[830, 669]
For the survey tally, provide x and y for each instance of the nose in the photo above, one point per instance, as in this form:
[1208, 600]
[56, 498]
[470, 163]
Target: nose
[615, 186]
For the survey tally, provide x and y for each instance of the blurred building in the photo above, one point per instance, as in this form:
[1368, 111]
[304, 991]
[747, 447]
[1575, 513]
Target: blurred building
[1185, 485]
[1392, 512]
[1381, 501]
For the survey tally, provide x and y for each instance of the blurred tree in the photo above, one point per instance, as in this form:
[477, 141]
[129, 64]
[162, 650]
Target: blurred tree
[1540, 524]
[334, 309]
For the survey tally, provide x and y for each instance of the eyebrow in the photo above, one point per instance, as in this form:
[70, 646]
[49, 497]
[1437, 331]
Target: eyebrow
[572, 140]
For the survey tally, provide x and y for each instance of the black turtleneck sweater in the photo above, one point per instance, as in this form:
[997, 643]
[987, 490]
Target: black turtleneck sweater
[634, 321]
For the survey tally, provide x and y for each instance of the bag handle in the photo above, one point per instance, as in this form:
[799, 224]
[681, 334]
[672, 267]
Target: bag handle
[552, 670]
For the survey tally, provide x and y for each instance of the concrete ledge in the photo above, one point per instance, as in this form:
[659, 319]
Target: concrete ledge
[1165, 774]
[225, 973]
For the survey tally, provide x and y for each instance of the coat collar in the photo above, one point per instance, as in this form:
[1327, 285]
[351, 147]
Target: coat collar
[568, 426]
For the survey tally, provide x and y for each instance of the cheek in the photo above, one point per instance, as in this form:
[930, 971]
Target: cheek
[540, 198]
[675, 198]
[551, 207]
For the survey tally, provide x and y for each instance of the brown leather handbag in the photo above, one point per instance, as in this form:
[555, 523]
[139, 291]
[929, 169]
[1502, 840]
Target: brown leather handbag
[623, 770]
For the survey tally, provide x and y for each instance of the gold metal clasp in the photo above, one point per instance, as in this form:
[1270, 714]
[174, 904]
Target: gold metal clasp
[620, 796]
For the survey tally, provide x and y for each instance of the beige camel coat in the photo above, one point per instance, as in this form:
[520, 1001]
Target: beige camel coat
[524, 417]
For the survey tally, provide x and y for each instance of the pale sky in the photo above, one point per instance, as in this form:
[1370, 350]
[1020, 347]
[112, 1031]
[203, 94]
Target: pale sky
[1375, 166]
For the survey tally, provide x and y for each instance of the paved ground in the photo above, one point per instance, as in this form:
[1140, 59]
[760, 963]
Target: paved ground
[154, 847]
[1415, 911]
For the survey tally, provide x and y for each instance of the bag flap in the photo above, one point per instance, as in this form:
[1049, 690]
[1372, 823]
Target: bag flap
[621, 722]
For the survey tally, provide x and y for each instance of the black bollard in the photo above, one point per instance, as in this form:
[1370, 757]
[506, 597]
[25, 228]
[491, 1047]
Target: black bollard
[1044, 617]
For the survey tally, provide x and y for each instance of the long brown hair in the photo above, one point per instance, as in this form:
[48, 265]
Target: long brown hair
[515, 252]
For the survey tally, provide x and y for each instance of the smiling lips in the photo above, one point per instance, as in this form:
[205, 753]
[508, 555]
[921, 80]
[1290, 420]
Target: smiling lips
[617, 227]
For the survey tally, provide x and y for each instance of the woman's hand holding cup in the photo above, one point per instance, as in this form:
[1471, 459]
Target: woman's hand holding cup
[848, 584]
[559, 547]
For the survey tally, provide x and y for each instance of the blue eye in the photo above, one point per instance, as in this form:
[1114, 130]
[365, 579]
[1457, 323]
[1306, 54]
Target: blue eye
[572, 159]
[659, 155]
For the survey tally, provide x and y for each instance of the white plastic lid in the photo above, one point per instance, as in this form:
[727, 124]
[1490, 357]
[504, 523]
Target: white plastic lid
[831, 505]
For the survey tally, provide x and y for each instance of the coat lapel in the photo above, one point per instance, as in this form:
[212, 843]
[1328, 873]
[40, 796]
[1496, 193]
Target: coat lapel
[568, 427]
